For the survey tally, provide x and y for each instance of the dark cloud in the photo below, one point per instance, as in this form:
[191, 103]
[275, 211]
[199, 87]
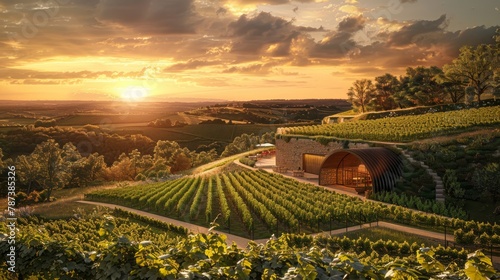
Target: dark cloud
[221, 11]
[258, 68]
[151, 16]
[340, 43]
[254, 69]
[417, 31]
[408, 1]
[471, 36]
[209, 35]
[262, 33]
[419, 42]
[334, 45]
[265, 34]
[437, 48]
[310, 29]
[352, 24]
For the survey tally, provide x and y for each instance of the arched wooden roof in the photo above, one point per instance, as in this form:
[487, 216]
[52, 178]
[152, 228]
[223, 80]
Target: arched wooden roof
[384, 166]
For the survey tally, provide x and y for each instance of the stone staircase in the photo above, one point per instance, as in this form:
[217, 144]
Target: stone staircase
[437, 180]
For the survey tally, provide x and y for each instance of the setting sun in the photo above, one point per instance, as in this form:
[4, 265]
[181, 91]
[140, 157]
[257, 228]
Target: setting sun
[134, 93]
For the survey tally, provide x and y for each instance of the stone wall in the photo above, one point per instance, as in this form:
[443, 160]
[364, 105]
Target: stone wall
[289, 154]
[327, 176]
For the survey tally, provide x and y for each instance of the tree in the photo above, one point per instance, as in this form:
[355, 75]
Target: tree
[165, 149]
[28, 169]
[361, 93]
[2, 164]
[452, 87]
[145, 163]
[86, 169]
[240, 144]
[135, 157]
[53, 172]
[496, 65]
[421, 86]
[475, 67]
[94, 163]
[386, 87]
[122, 169]
[268, 137]
[182, 162]
[204, 157]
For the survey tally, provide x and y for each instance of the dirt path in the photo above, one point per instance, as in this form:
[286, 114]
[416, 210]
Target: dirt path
[242, 242]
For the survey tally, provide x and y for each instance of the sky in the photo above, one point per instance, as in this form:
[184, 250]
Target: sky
[165, 50]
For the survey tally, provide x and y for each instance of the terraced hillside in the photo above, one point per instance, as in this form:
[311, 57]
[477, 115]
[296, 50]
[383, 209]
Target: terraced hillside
[257, 204]
[405, 128]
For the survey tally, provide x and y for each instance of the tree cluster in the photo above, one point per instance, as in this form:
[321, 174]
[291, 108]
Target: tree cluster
[51, 166]
[89, 139]
[214, 121]
[247, 142]
[473, 73]
[165, 123]
[45, 123]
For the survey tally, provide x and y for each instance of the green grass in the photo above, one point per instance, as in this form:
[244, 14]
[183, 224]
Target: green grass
[65, 204]
[61, 210]
[218, 132]
[100, 119]
[221, 162]
[192, 136]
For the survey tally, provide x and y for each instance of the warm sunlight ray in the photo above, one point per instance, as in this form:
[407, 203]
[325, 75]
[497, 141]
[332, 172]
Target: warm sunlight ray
[134, 93]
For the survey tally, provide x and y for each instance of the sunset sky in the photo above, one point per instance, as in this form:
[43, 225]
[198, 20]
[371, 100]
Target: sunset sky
[225, 49]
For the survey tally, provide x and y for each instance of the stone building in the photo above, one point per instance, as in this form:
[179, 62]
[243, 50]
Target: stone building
[354, 165]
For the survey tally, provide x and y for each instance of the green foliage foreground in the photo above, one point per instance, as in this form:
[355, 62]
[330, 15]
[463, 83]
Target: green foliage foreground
[109, 249]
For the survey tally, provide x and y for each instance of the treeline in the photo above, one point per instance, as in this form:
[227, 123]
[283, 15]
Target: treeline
[89, 139]
[54, 165]
[165, 123]
[473, 73]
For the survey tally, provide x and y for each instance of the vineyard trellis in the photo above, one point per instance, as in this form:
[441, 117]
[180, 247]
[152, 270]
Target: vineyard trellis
[404, 128]
[258, 199]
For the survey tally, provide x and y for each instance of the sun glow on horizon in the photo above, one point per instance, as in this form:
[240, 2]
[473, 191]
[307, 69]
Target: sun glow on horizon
[134, 93]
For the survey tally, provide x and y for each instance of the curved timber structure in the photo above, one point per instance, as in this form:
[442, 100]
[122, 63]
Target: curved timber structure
[376, 168]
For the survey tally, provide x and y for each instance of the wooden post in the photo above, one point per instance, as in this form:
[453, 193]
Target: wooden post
[360, 223]
[346, 222]
[445, 241]
[330, 225]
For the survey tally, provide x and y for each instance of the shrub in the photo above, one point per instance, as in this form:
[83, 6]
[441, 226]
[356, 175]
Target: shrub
[140, 177]
[247, 161]
[21, 197]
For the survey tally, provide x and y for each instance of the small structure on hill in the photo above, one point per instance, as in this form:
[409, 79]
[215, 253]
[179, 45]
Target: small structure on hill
[358, 165]
[375, 168]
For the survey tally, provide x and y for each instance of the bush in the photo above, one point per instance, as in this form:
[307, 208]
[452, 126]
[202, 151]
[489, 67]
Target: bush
[247, 161]
[21, 197]
[140, 177]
